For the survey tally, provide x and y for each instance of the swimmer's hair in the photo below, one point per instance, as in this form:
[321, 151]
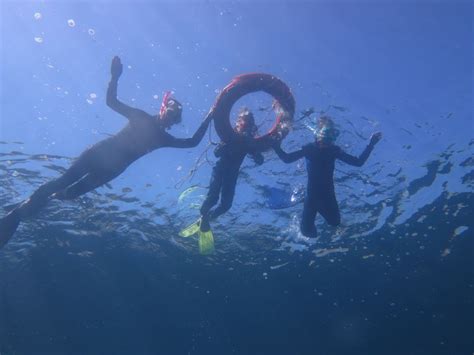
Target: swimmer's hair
[245, 111]
[326, 121]
[249, 118]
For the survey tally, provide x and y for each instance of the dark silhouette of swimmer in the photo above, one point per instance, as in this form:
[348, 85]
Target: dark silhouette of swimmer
[231, 154]
[320, 160]
[108, 158]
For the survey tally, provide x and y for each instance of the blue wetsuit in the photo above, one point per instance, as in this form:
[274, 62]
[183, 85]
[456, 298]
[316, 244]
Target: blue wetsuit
[320, 195]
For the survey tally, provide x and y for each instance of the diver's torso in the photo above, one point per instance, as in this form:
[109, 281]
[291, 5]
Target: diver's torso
[136, 139]
[320, 162]
[232, 154]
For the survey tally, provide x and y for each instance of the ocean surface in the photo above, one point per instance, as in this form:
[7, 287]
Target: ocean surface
[108, 273]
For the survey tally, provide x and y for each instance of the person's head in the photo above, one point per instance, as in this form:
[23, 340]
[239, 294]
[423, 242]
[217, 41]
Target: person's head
[326, 132]
[245, 124]
[170, 111]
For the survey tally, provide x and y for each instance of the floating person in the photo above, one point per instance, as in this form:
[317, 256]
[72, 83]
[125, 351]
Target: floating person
[237, 142]
[231, 155]
[320, 160]
[110, 157]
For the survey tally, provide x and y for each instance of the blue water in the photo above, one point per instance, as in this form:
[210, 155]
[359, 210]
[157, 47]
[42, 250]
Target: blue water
[108, 273]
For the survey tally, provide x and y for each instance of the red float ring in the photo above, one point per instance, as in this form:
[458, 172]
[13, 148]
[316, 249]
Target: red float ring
[245, 84]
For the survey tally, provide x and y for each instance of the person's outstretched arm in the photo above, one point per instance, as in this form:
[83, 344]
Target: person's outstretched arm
[195, 139]
[361, 159]
[288, 157]
[257, 158]
[112, 101]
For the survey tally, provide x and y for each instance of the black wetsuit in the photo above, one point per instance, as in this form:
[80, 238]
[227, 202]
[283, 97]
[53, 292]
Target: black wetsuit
[320, 196]
[225, 174]
[103, 161]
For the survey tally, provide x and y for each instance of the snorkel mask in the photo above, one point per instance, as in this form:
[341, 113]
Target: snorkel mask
[170, 104]
[326, 132]
[327, 135]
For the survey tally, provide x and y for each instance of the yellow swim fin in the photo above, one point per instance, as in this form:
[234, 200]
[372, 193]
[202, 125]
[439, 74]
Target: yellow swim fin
[206, 242]
[191, 230]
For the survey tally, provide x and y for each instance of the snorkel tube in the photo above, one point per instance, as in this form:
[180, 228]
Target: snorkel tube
[164, 103]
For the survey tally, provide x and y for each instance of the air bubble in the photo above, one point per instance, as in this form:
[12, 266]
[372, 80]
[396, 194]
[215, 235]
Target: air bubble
[37, 16]
[39, 39]
[91, 31]
[71, 23]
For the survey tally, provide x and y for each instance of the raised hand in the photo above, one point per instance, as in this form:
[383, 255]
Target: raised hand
[116, 68]
[375, 138]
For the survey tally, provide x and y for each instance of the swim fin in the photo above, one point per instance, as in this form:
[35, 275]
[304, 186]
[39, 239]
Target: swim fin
[8, 226]
[191, 230]
[206, 242]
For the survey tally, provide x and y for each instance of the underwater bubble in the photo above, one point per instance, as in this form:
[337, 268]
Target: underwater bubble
[93, 95]
[71, 23]
[37, 16]
[89, 101]
[155, 97]
[91, 31]
[446, 252]
[39, 39]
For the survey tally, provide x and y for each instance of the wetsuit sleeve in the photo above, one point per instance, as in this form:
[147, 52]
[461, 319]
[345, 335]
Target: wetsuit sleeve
[118, 106]
[352, 160]
[194, 140]
[219, 150]
[257, 158]
[289, 157]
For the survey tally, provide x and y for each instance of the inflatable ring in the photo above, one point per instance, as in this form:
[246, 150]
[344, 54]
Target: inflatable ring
[245, 84]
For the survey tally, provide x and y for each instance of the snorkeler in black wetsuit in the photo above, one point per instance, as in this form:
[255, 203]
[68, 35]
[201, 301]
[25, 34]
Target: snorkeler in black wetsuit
[107, 159]
[226, 171]
[320, 160]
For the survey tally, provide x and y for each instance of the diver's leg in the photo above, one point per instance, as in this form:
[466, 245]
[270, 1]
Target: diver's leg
[88, 183]
[227, 195]
[307, 227]
[329, 209]
[213, 193]
[10, 223]
[226, 188]
[8, 226]
[40, 197]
